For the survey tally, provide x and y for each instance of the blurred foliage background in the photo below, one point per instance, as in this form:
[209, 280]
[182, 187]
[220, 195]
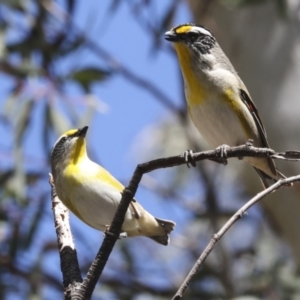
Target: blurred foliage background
[66, 64]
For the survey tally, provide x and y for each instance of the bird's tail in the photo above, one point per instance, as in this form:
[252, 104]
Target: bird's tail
[267, 181]
[168, 226]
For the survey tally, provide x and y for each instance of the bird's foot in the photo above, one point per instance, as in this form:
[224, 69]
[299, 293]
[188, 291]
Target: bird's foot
[223, 153]
[249, 143]
[189, 158]
[123, 235]
[108, 233]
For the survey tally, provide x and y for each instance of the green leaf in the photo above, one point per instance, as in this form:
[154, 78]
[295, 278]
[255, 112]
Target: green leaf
[18, 184]
[16, 4]
[5, 177]
[23, 120]
[56, 119]
[35, 222]
[85, 77]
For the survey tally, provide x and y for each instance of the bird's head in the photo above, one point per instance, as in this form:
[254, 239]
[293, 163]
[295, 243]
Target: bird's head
[69, 148]
[193, 37]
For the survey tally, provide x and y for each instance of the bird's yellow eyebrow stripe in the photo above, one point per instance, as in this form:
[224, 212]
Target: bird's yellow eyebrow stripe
[183, 29]
[70, 132]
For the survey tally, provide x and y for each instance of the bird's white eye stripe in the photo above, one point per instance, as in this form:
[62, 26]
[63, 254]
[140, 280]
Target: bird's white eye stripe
[201, 30]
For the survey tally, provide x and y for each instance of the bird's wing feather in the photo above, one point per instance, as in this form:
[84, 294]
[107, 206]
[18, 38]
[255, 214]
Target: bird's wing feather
[106, 177]
[262, 132]
[112, 181]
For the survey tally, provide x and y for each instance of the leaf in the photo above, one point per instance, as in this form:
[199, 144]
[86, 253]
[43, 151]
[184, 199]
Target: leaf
[23, 120]
[18, 184]
[35, 222]
[56, 119]
[5, 177]
[2, 44]
[16, 4]
[85, 77]
[53, 119]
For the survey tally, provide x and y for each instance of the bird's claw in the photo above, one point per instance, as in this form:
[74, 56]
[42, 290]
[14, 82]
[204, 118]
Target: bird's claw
[249, 143]
[108, 233]
[123, 235]
[223, 153]
[189, 158]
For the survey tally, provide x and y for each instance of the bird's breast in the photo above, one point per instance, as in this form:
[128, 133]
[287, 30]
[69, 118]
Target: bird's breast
[221, 121]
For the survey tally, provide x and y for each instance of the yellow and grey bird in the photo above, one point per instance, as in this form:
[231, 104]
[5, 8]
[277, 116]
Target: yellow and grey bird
[93, 194]
[218, 101]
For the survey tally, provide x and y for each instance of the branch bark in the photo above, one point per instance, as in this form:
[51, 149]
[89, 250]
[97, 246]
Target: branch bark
[67, 252]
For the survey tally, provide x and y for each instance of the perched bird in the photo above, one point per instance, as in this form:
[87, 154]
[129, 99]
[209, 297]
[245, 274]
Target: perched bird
[218, 101]
[93, 194]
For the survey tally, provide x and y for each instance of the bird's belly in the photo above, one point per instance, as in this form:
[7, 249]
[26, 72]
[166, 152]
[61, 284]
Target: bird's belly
[94, 203]
[218, 123]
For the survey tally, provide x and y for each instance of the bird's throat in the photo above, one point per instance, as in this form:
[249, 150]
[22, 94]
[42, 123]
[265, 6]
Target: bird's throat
[79, 151]
[195, 93]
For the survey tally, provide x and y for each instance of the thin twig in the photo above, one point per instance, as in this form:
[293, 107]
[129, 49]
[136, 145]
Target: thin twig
[216, 237]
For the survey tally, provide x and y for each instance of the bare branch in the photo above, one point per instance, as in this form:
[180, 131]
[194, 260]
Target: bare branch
[216, 237]
[85, 290]
[291, 155]
[68, 256]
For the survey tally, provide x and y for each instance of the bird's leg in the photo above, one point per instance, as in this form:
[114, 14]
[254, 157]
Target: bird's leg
[223, 153]
[249, 143]
[189, 158]
[106, 232]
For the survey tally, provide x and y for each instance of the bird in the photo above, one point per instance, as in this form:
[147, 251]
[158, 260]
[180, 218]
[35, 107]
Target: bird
[93, 194]
[218, 102]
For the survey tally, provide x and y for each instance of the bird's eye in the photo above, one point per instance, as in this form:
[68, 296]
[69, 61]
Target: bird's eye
[193, 35]
[64, 139]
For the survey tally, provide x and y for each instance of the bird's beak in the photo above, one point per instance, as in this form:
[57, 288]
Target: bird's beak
[82, 132]
[171, 36]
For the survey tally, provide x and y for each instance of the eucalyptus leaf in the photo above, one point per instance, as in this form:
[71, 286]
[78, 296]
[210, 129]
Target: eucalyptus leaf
[85, 77]
[23, 120]
[35, 222]
[58, 121]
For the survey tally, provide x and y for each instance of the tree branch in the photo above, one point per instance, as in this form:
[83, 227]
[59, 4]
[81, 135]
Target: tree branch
[68, 256]
[85, 290]
[216, 237]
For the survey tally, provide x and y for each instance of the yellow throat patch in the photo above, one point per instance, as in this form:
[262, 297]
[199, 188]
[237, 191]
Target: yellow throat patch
[195, 92]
